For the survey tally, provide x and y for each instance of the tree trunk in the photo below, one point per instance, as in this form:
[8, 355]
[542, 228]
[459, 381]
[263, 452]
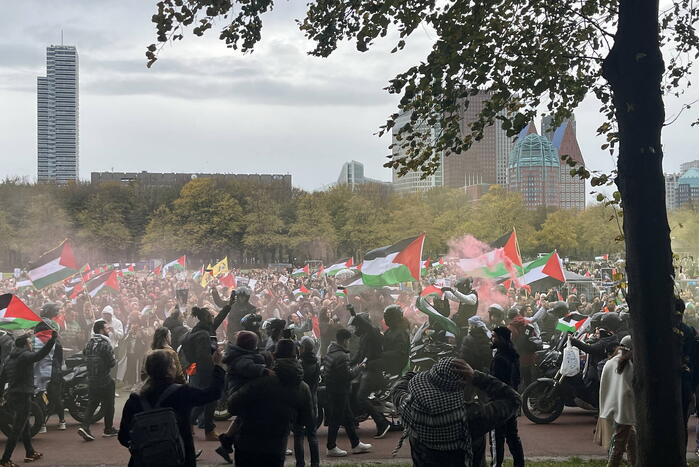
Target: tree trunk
[634, 70]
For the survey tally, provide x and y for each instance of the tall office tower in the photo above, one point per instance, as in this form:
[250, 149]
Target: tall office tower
[412, 182]
[671, 201]
[58, 116]
[688, 188]
[565, 140]
[534, 170]
[485, 162]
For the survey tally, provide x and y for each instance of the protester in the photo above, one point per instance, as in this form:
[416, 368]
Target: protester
[311, 376]
[265, 409]
[396, 340]
[161, 390]
[505, 367]
[439, 423]
[100, 361]
[198, 346]
[616, 403]
[338, 377]
[19, 376]
[162, 341]
[47, 372]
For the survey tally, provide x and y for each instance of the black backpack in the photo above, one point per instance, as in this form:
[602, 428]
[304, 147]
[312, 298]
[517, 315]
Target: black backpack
[155, 436]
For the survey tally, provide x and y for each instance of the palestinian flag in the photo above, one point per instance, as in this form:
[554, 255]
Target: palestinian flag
[337, 267]
[321, 271]
[443, 321]
[431, 291]
[304, 271]
[569, 324]
[546, 266]
[228, 280]
[126, 271]
[341, 292]
[301, 291]
[23, 284]
[425, 266]
[393, 264]
[438, 264]
[157, 270]
[14, 314]
[510, 246]
[105, 281]
[54, 266]
[176, 265]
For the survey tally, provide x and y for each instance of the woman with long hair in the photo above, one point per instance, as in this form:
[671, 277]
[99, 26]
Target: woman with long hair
[161, 374]
[616, 403]
[161, 341]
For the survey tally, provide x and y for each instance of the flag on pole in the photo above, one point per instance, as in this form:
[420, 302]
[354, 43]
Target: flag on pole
[304, 271]
[510, 246]
[228, 280]
[176, 265]
[337, 267]
[14, 314]
[220, 267]
[393, 264]
[301, 291]
[341, 292]
[569, 324]
[106, 280]
[53, 266]
[431, 291]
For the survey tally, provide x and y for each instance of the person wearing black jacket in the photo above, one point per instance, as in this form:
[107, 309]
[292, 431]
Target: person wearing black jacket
[505, 367]
[396, 340]
[100, 361]
[338, 377]
[197, 346]
[161, 372]
[370, 357]
[311, 376]
[239, 309]
[177, 328]
[19, 374]
[47, 372]
[265, 409]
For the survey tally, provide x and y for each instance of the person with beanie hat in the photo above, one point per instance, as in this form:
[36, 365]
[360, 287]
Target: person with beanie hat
[244, 363]
[286, 348]
[505, 367]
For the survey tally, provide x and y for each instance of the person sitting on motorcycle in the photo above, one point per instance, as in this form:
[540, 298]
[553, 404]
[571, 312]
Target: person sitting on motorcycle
[546, 318]
[526, 343]
[396, 340]
[467, 297]
[600, 350]
[369, 356]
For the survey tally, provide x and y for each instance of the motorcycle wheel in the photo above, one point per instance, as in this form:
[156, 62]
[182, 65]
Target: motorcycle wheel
[221, 413]
[540, 402]
[76, 402]
[37, 415]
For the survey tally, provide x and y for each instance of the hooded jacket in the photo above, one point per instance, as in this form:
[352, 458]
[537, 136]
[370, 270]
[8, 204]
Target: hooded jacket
[100, 360]
[396, 349]
[616, 401]
[242, 365]
[475, 348]
[177, 330]
[117, 326]
[266, 407]
[337, 373]
[370, 344]
[238, 311]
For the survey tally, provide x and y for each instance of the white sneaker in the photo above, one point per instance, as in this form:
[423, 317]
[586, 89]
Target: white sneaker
[42, 429]
[336, 452]
[289, 452]
[361, 448]
[62, 426]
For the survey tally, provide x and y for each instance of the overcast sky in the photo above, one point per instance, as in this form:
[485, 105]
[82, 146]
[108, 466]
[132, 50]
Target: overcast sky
[205, 108]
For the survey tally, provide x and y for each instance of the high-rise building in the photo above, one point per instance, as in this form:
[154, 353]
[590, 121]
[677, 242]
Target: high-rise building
[688, 188]
[671, 191]
[564, 139]
[534, 170]
[689, 165]
[352, 174]
[58, 116]
[486, 160]
[413, 182]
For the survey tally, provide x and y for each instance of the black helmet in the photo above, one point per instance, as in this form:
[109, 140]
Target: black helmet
[361, 322]
[596, 320]
[610, 321]
[242, 290]
[392, 315]
[50, 310]
[465, 285]
[251, 322]
[559, 309]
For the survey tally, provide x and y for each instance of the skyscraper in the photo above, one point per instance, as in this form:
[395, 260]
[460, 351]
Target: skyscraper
[486, 160]
[412, 182]
[671, 191]
[565, 140]
[534, 170]
[58, 116]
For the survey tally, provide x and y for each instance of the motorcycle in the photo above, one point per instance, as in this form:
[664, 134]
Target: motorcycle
[427, 348]
[380, 400]
[543, 400]
[76, 389]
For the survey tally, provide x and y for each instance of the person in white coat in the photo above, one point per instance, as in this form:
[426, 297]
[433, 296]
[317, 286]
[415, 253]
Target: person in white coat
[616, 403]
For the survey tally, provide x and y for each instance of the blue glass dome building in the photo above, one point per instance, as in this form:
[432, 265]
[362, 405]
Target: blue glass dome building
[534, 171]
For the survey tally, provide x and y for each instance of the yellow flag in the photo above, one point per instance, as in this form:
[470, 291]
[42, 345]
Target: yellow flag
[220, 267]
[206, 277]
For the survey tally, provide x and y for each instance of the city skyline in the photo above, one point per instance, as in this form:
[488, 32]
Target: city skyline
[275, 111]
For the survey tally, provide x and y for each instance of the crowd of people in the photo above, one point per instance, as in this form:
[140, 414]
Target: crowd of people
[271, 345]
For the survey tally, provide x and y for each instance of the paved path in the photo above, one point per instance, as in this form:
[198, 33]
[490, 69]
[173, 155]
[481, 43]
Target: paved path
[570, 435]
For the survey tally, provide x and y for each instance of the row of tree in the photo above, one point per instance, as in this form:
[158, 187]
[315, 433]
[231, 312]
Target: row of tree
[207, 219]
